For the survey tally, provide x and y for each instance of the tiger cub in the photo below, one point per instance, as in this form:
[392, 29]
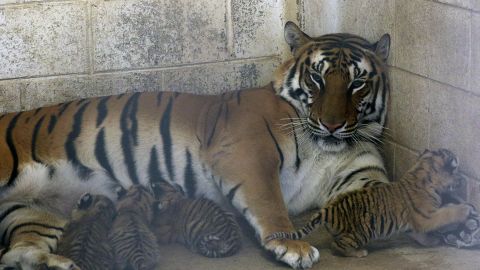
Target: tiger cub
[86, 236]
[412, 204]
[200, 224]
[134, 244]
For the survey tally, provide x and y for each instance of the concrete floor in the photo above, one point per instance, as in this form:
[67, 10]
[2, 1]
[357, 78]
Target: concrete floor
[398, 253]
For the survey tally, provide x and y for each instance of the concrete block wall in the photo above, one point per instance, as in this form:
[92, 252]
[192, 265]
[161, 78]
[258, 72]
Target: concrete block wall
[57, 50]
[434, 71]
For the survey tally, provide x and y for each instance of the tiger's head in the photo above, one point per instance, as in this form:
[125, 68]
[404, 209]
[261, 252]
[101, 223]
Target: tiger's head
[338, 85]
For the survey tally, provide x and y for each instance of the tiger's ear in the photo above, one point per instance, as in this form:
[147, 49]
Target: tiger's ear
[382, 47]
[294, 36]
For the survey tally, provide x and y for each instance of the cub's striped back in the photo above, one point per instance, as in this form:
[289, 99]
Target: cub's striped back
[200, 224]
[86, 237]
[134, 243]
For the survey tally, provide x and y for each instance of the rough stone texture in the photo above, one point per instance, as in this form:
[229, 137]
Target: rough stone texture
[455, 124]
[468, 4]
[475, 82]
[258, 27]
[50, 38]
[404, 159]
[410, 109]
[9, 97]
[42, 92]
[367, 18]
[218, 78]
[150, 33]
[112, 84]
[389, 155]
[433, 40]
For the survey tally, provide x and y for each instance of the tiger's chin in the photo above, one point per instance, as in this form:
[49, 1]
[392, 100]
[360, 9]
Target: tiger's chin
[330, 143]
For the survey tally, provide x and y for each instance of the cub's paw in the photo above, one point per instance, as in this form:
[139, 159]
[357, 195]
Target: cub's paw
[466, 234]
[297, 254]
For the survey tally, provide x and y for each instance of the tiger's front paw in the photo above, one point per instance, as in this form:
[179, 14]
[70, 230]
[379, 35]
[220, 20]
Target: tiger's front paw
[297, 254]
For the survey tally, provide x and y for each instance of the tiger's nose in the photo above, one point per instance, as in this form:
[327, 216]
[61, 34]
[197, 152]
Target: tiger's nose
[332, 127]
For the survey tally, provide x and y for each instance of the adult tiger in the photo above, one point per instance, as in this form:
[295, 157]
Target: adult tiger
[284, 148]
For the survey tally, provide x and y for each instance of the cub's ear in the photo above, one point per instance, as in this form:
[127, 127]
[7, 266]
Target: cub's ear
[294, 36]
[382, 47]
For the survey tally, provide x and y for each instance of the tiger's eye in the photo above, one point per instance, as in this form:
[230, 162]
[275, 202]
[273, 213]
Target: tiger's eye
[316, 78]
[357, 84]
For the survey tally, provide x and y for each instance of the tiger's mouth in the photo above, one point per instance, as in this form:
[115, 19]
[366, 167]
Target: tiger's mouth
[330, 143]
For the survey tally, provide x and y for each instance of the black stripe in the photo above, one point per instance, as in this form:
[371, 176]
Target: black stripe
[190, 179]
[70, 149]
[101, 154]
[18, 226]
[42, 234]
[210, 137]
[36, 130]
[12, 148]
[276, 143]
[239, 97]
[52, 123]
[37, 111]
[231, 193]
[102, 110]
[166, 138]
[297, 158]
[63, 108]
[128, 126]
[347, 178]
[10, 210]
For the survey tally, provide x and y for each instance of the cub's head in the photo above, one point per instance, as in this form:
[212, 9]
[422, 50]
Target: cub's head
[338, 84]
[439, 169]
[93, 206]
[166, 195]
[137, 199]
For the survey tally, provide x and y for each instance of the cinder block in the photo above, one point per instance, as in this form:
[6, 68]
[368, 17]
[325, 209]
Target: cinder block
[9, 96]
[48, 91]
[404, 160]
[455, 124]
[154, 33]
[389, 156]
[258, 27]
[367, 18]
[469, 4]
[410, 100]
[433, 40]
[221, 77]
[475, 81]
[43, 39]
[112, 84]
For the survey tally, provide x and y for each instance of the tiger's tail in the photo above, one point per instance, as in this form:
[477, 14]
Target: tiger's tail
[319, 218]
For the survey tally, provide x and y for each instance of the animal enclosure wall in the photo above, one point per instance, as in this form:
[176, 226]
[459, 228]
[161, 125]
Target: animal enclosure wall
[434, 72]
[53, 51]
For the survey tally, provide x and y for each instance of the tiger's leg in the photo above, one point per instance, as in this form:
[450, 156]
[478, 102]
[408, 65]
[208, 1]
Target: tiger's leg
[31, 235]
[444, 216]
[257, 195]
[349, 246]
